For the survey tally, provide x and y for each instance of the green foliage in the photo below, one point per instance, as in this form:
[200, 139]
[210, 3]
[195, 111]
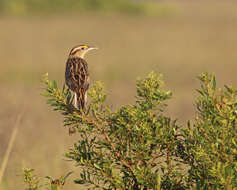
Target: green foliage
[34, 183]
[138, 147]
[79, 6]
[122, 148]
[31, 180]
[211, 140]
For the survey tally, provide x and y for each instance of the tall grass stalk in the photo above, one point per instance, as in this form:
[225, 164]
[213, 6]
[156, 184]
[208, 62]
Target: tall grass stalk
[10, 145]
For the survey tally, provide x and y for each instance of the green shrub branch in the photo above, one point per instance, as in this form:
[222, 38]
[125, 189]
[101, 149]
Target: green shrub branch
[138, 147]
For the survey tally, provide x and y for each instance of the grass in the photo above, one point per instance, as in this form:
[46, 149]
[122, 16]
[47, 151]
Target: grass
[202, 37]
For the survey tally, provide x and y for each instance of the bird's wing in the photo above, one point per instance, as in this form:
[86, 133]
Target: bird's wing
[77, 75]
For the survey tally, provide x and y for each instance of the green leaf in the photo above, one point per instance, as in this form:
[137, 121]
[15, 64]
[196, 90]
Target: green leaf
[55, 84]
[67, 175]
[214, 82]
[79, 181]
[97, 166]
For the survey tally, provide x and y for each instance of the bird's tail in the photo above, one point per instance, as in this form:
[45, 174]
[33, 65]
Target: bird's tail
[80, 99]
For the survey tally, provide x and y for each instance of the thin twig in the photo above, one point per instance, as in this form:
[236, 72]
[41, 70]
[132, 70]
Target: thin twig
[10, 145]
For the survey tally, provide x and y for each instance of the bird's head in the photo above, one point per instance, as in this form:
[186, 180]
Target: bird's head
[81, 50]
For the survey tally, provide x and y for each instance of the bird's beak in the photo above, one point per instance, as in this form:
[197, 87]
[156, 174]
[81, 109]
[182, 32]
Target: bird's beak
[92, 48]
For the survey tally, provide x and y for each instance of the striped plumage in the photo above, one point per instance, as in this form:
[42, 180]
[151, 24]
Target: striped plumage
[77, 75]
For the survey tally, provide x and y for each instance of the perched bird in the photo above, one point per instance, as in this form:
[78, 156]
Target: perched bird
[77, 75]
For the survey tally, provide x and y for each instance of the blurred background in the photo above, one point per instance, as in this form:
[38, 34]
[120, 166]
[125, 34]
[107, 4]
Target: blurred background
[179, 39]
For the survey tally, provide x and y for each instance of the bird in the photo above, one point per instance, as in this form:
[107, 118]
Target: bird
[77, 75]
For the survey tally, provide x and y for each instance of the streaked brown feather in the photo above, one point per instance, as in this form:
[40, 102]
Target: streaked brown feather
[77, 78]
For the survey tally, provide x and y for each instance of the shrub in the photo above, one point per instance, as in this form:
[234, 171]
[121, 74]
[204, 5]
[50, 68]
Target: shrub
[139, 147]
[211, 142]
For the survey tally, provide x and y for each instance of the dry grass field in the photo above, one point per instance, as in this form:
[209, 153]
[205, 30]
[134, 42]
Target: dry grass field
[198, 36]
